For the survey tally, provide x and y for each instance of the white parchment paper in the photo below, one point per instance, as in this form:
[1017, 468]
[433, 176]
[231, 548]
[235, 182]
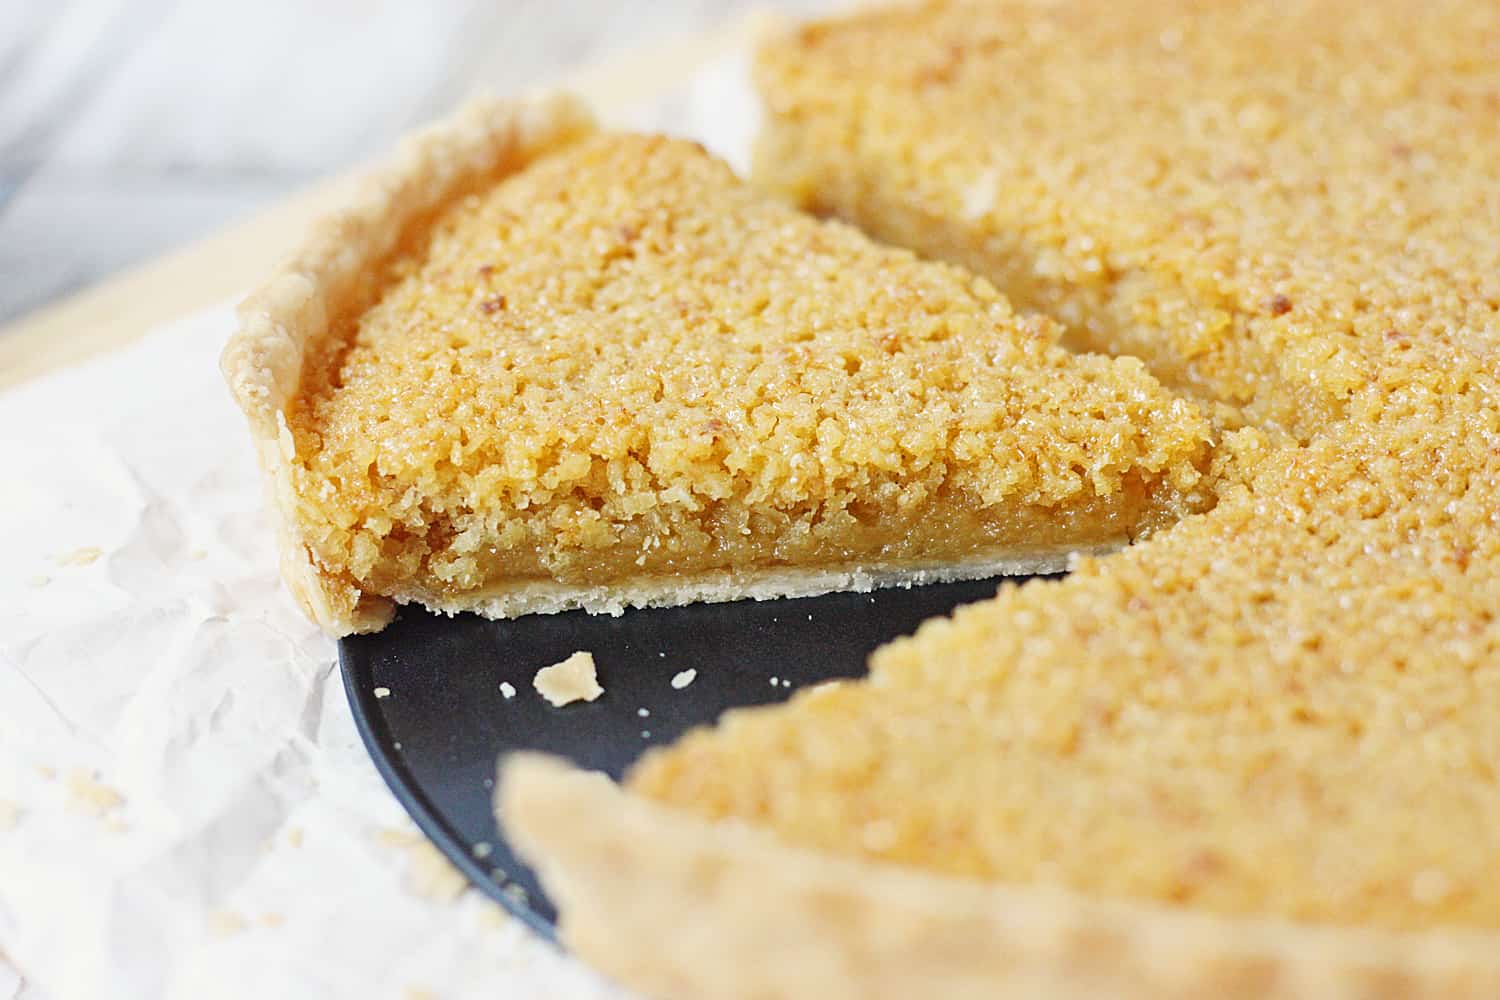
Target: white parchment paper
[185, 808]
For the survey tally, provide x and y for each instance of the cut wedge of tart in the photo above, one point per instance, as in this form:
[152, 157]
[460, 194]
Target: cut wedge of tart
[539, 367]
[1257, 755]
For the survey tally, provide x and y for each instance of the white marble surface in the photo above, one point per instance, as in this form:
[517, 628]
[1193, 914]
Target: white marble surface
[130, 126]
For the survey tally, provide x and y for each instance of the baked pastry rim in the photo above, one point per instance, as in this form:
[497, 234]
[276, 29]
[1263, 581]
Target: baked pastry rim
[604, 853]
[330, 275]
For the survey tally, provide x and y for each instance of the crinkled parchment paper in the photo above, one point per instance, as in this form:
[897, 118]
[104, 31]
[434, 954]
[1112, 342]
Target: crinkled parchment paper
[185, 807]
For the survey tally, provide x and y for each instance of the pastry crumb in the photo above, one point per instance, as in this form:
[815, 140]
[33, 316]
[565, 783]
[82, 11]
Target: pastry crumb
[81, 556]
[482, 850]
[92, 795]
[574, 679]
[382, 692]
[391, 836]
[429, 875]
[10, 815]
[643, 712]
[198, 554]
[294, 836]
[271, 920]
[433, 877]
[507, 690]
[224, 923]
[684, 678]
[40, 580]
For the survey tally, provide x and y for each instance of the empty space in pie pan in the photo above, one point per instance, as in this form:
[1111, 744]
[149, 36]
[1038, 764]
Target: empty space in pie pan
[438, 701]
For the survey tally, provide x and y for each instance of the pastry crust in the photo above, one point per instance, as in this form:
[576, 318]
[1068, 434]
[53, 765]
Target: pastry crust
[677, 906]
[336, 273]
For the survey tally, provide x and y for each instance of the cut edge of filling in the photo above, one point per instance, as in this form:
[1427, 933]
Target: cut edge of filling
[513, 598]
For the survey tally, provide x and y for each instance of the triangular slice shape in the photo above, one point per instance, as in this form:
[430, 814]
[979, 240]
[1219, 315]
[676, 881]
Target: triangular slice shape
[540, 367]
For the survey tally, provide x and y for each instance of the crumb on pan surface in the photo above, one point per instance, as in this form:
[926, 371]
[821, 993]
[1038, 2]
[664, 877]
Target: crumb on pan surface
[1289, 706]
[621, 361]
[572, 679]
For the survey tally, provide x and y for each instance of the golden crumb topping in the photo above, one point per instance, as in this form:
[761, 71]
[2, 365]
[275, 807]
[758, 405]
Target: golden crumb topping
[622, 361]
[1289, 705]
[1283, 206]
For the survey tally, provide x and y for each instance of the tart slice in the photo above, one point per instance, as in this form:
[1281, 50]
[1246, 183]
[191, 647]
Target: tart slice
[540, 367]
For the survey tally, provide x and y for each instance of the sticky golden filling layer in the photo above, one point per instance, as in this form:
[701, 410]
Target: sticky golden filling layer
[1287, 706]
[622, 361]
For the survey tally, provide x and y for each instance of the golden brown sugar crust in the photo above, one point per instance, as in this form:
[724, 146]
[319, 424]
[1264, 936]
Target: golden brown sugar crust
[1256, 199]
[620, 376]
[681, 907]
[334, 276]
[1285, 709]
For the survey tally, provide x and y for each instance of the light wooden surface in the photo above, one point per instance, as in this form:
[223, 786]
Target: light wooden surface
[57, 230]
